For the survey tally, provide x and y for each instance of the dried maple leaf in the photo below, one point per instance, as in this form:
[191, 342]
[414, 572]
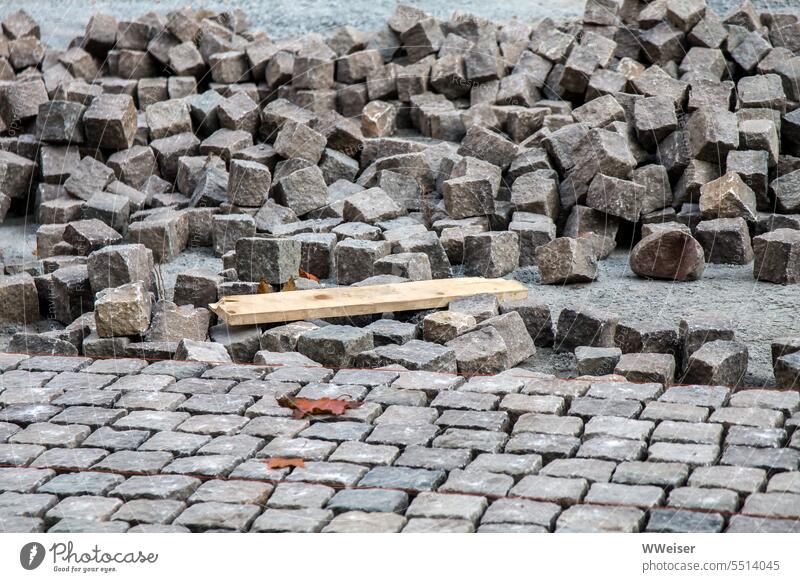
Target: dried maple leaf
[289, 285]
[309, 276]
[308, 406]
[264, 287]
[281, 463]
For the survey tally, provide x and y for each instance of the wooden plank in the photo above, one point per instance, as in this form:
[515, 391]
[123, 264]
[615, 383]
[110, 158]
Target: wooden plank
[347, 301]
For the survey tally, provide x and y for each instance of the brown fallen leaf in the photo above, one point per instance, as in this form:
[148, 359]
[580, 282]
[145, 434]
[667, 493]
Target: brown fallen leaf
[309, 276]
[264, 287]
[308, 406]
[289, 285]
[281, 463]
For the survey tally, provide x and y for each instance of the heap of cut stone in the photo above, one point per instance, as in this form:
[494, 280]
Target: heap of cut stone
[426, 149]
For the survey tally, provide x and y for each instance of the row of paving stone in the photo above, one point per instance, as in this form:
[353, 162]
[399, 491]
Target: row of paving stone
[127, 445]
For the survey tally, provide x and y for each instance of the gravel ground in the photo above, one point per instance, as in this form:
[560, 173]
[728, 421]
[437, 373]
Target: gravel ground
[18, 239]
[61, 20]
[762, 311]
[283, 18]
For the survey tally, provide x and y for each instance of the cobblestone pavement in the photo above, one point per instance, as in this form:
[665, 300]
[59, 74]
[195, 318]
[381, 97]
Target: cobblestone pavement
[123, 445]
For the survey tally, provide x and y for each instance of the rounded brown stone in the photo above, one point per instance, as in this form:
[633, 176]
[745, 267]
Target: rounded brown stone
[671, 254]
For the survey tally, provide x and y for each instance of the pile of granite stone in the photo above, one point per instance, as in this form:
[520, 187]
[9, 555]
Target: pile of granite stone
[426, 149]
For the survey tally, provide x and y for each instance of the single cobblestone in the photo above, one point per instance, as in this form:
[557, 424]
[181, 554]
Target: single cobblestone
[140, 511]
[593, 519]
[361, 522]
[437, 505]
[369, 500]
[292, 520]
[677, 521]
[215, 515]
[427, 525]
[553, 489]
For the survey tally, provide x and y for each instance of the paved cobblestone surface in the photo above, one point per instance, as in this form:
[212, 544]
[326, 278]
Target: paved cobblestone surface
[124, 445]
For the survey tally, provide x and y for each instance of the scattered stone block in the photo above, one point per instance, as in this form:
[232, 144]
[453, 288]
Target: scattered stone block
[242, 343]
[429, 244]
[650, 367]
[316, 253]
[228, 229]
[90, 235]
[22, 100]
[122, 311]
[60, 121]
[786, 191]
[166, 118]
[585, 327]
[411, 266]
[725, 240]
[567, 260]
[110, 122]
[717, 362]
[728, 197]
[655, 119]
[355, 259]
[248, 183]
[511, 328]
[753, 168]
[443, 326]
[480, 352]
[165, 235]
[297, 140]
[196, 287]
[787, 370]
[16, 174]
[302, 191]
[712, 134]
[620, 198]
[200, 351]
[596, 361]
[534, 192]
[370, 206]
[72, 294]
[484, 144]
[19, 301]
[668, 254]
[378, 119]
[491, 254]
[776, 256]
[272, 260]
[334, 345]
[171, 323]
[111, 209]
[88, 177]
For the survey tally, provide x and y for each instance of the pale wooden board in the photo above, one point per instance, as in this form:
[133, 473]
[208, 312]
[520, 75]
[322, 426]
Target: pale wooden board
[346, 301]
